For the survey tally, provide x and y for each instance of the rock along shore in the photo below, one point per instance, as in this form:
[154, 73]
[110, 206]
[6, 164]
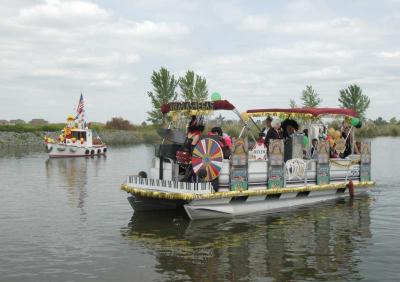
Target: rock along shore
[36, 139]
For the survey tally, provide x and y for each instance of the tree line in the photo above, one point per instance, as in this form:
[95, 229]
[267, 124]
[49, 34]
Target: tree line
[351, 97]
[193, 87]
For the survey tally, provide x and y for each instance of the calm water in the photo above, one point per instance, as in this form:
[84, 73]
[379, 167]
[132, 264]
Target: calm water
[67, 220]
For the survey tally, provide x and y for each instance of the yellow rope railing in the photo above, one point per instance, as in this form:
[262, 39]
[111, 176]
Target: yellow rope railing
[219, 195]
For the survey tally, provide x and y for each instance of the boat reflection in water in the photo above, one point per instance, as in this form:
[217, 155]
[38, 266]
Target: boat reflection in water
[72, 173]
[320, 242]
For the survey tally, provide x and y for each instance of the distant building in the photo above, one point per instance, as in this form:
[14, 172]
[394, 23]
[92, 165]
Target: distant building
[38, 121]
[4, 122]
[17, 121]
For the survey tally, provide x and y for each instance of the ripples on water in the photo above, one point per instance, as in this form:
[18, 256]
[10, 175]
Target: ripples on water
[66, 220]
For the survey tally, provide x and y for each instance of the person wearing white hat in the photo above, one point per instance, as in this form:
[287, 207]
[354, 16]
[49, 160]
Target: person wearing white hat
[274, 132]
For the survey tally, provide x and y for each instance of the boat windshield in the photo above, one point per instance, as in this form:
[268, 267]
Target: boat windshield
[79, 134]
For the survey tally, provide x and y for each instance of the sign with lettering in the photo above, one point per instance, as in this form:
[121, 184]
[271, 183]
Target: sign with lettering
[275, 164]
[259, 152]
[184, 106]
[323, 172]
[365, 166]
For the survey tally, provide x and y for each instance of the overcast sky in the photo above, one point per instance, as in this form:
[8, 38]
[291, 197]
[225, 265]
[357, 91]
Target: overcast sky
[255, 53]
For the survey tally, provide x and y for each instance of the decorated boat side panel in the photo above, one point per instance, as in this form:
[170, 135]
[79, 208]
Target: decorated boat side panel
[276, 164]
[239, 166]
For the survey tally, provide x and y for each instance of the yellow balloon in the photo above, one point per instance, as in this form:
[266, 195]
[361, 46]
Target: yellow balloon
[331, 142]
[337, 135]
[73, 139]
[331, 132]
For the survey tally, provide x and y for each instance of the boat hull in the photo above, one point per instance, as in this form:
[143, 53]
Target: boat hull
[230, 207]
[62, 151]
[237, 203]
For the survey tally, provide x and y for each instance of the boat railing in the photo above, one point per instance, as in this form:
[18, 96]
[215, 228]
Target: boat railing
[169, 185]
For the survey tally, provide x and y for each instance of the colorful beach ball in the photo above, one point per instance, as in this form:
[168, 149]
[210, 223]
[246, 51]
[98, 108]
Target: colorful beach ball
[207, 159]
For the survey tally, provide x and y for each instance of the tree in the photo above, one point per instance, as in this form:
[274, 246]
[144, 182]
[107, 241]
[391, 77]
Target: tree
[380, 121]
[164, 91]
[193, 87]
[310, 97]
[353, 98]
[393, 120]
[292, 104]
[119, 123]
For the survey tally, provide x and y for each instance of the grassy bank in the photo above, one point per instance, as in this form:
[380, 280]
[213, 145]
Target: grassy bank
[31, 135]
[371, 130]
[21, 135]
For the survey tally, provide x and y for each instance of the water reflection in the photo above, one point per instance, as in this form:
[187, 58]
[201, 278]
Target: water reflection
[70, 174]
[311, 243]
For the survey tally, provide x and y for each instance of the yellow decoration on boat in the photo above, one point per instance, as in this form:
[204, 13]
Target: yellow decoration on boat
[283, 115]
[229, 194]
[245, 116]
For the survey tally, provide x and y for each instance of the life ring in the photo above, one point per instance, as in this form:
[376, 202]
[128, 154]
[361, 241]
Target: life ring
[61, 149]
[207, 159]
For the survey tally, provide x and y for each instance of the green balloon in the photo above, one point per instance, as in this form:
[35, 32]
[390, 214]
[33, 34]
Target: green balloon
[305, 141]
[215, 96]
[355, 121]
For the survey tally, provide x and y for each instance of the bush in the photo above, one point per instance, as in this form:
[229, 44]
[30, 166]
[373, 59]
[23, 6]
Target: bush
[119, 123]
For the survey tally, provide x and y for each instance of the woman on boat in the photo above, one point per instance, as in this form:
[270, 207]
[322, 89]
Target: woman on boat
[274, 132]
[223, 140]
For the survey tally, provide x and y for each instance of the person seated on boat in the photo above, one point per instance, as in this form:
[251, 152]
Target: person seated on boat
[314, 149]
[322, 133]
[333, 154]
[289, 127]
[195, 129]
[224, 141]
[261, 138]
[274, 132]
[267, 127]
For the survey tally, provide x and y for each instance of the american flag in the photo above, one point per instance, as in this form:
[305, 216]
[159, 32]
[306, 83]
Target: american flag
[80, 109]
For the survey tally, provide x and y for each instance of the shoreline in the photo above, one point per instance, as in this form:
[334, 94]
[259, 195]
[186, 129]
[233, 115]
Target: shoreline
[35, 140]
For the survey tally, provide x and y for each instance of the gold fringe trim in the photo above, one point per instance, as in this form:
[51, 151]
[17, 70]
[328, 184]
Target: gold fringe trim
[229, 194]
[339, 163]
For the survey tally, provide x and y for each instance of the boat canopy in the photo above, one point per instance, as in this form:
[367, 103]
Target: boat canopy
[302, 112]
[186, 106]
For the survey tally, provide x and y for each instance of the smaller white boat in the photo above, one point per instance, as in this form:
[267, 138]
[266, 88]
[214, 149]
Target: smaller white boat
[76, 140]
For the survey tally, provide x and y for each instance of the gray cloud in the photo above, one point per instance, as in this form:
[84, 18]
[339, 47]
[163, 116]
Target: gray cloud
[252, 53]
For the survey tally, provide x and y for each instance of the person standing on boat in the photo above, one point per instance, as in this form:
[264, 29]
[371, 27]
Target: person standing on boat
[347, 136]
[267, 127]
[195, 129]
[274, 132]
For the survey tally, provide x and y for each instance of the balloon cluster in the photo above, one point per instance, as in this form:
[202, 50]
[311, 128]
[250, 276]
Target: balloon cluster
[333, 135]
